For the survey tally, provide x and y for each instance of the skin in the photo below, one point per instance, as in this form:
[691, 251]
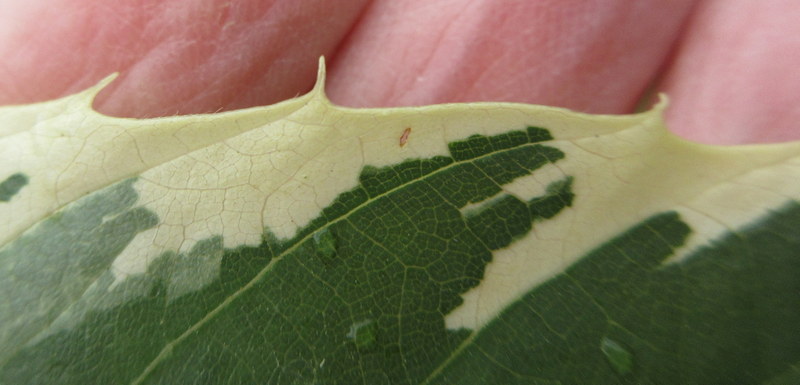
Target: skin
[729, 66]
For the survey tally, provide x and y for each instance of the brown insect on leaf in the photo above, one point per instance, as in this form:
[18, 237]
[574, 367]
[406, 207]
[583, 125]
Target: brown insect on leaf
[404, 137]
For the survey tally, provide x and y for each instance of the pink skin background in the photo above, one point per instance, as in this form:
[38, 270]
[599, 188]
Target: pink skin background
[730, 67]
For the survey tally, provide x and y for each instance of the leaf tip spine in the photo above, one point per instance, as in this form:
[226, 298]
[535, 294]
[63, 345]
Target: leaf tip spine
[91, 93]
[318, 92]
[661, 105]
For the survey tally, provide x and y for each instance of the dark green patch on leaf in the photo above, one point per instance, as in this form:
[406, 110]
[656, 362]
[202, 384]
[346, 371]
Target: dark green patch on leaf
[377, 181]
[559, 195]
[478, 145]
[11, 186]
[538, 134]
[507, 217]
[728, 313]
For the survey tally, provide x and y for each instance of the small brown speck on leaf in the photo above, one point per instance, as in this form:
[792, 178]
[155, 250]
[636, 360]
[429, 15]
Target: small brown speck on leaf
[404, 137]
